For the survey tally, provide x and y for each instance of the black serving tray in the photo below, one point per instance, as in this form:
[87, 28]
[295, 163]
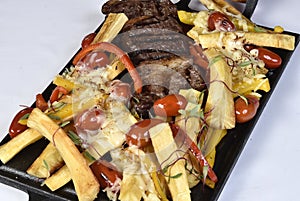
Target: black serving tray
[228, 151]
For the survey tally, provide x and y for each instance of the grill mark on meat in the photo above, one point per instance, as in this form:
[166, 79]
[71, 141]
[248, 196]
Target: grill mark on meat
[136, 8]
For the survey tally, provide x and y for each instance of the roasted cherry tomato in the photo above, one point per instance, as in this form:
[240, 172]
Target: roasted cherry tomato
[15, 127]
[245, 111]
[120, 89]
[271, 59]
[91, 119]
[169, 105]
[87, 40]
[139, 132]
[105, 172]
[95, 59]
[219, 21]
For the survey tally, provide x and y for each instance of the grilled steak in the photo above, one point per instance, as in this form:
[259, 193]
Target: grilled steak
[150, 16]
[145, 13]
[154, 39]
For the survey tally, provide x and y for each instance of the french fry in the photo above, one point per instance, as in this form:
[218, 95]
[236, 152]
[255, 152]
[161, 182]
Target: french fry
[237, 39]
[49, 161]
[165, 150]
[220, 104]
[111, 27]
[16, 144]
[86, 185]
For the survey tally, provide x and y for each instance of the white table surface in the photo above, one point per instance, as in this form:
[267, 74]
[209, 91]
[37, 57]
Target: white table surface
[38, 37]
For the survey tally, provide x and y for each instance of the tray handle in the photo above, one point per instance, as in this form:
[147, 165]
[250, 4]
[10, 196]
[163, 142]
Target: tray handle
[249, 8]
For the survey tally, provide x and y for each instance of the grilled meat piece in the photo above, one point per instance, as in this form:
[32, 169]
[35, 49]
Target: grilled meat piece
[152, 16]
[146, 14]
[153, 44]
[173, 73]
[163, 77]
[141, 104]
[138, 8]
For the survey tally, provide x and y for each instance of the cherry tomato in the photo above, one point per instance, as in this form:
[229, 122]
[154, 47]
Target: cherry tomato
[120, 89]
[169, 105]
[15, 128]
[139, 132]
[40, 102]
[245, 111]
[271, 59]
[105, 172]
[95, 59]
[219, 21]
[87, 40]
[91, 119]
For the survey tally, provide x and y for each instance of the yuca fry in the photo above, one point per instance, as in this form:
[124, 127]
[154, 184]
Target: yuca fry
[86, 185]
[58, 179]
[111, 27]
[236, 39]
[16, 144]
[165, 150]
[46, 163]
[220, 103]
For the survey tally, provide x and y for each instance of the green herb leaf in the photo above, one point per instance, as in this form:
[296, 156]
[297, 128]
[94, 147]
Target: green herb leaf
[75, 138]
[63, 124]
[25, 116]
[176, 176]
[205, 171]
[58, 105]
[215, 59]
[51, 116]
[259, 29]
[165, 169]
[88, 156]
[244, 64]
[46, 165]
